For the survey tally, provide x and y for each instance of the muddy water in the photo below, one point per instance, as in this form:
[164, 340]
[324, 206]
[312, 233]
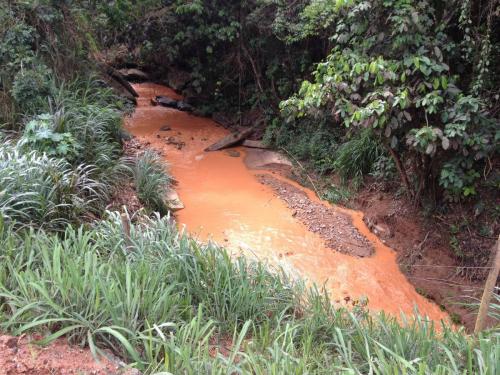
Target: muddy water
[225, 202]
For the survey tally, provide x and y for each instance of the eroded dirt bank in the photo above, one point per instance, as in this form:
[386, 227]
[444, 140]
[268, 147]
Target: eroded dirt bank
[226, 202]
[19, 356]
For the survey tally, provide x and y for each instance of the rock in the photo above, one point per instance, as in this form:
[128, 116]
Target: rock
[165, 101]
[183, 106]
[258, 158]
[254, 144]
[11, 342]
[230, 140]
[125, 135]
[174, 203]
[382, 230]
[378, 227]
[134, 75]
[233, 153]
[178, 143]
[165, 128]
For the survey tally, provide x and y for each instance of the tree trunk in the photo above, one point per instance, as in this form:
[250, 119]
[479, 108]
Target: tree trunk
[402, 172]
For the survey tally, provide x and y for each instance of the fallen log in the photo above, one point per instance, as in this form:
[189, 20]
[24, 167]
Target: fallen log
[134, 74]
[118, 77]
[254, 144]
[120, 89]
[231, 140]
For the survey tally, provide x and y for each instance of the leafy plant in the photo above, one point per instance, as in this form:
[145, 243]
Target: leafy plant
[39, 135]
[31, 89]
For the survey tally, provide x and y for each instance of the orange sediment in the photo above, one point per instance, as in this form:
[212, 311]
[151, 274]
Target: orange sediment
[225, 202]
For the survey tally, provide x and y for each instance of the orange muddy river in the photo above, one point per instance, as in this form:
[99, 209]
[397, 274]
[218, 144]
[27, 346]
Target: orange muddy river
[225, 202]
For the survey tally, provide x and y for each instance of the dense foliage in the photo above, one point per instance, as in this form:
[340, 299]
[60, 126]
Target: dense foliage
[394, 76]
[393, 87]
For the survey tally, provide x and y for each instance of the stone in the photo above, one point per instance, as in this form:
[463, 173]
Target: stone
[183, 106]
[230, 140]
[165, 101]
[174, 203]
[233, 153]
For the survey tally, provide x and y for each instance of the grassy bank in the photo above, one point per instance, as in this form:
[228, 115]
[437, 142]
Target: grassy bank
[167, 303]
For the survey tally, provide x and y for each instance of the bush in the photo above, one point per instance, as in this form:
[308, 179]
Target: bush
[151, 181]
[31, 89]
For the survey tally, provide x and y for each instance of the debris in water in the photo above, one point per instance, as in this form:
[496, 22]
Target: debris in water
[233, 153]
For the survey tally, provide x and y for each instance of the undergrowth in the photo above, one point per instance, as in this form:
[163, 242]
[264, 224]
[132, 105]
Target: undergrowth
[165, 302]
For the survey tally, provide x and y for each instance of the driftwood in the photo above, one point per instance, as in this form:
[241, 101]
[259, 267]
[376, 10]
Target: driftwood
[120, 89]
[231, 140]
[254, 144]
[134, 74]
[118, 77]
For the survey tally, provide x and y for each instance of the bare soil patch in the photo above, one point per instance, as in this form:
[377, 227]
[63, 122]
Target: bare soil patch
[424, 253]
[334, 227]
[19, 356]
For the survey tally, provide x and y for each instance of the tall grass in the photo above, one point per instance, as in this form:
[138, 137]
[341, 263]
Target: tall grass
[152, 181]
[166, 303]
[356, 157]
[48, 192]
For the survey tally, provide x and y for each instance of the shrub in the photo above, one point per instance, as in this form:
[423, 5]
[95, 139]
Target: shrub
[399, 78]
[313, 141]
[31, 89]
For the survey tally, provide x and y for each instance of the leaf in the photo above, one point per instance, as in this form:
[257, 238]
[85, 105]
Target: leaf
[445, 143]
[407, 115]
[438, 53]
[387, 131]
[394, 142]
[444, 82]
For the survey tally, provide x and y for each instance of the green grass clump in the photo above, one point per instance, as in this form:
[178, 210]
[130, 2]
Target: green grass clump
[164, 302]
[152, 181]
[43, 191]
[356, 157]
